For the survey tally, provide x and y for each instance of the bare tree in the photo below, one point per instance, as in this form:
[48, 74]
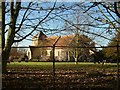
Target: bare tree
[109, 14]
[19, 22]
[102, 19]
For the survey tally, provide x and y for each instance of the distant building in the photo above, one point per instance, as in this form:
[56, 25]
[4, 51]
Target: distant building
[65, 47]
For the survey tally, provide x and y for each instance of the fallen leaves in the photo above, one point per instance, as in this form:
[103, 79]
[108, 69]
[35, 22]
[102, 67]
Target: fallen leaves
[64, 79]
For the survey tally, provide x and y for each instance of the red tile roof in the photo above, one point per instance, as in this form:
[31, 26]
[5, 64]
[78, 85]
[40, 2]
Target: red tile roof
[67, 40]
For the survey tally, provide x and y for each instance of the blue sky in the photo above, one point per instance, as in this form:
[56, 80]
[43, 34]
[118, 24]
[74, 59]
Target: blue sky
[58, 23]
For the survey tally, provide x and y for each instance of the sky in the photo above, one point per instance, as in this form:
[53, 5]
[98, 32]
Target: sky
[69, 0]
[58, 23]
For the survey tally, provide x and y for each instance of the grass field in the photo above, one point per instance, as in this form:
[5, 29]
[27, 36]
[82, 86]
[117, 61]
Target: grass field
[68, 76]
[39, 64]
[63, 65]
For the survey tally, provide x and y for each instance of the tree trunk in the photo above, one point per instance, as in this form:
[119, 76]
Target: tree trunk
[5, 57]
[6, 46]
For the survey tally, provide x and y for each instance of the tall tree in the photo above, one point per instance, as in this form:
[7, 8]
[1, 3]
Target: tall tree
[111, 51]
[22, 19]
[110, 15]
[15, 17]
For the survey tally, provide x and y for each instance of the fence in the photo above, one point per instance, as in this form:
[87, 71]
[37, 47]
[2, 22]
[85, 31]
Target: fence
[65, 53]
[56, 54]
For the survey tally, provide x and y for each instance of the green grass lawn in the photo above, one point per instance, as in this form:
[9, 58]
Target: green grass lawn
[63, 65]
[57, 63]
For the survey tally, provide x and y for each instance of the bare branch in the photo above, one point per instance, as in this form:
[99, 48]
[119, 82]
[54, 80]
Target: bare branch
[23, 19]
[94, 5]
[36, 25]
[116, 9]
[96, 34]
